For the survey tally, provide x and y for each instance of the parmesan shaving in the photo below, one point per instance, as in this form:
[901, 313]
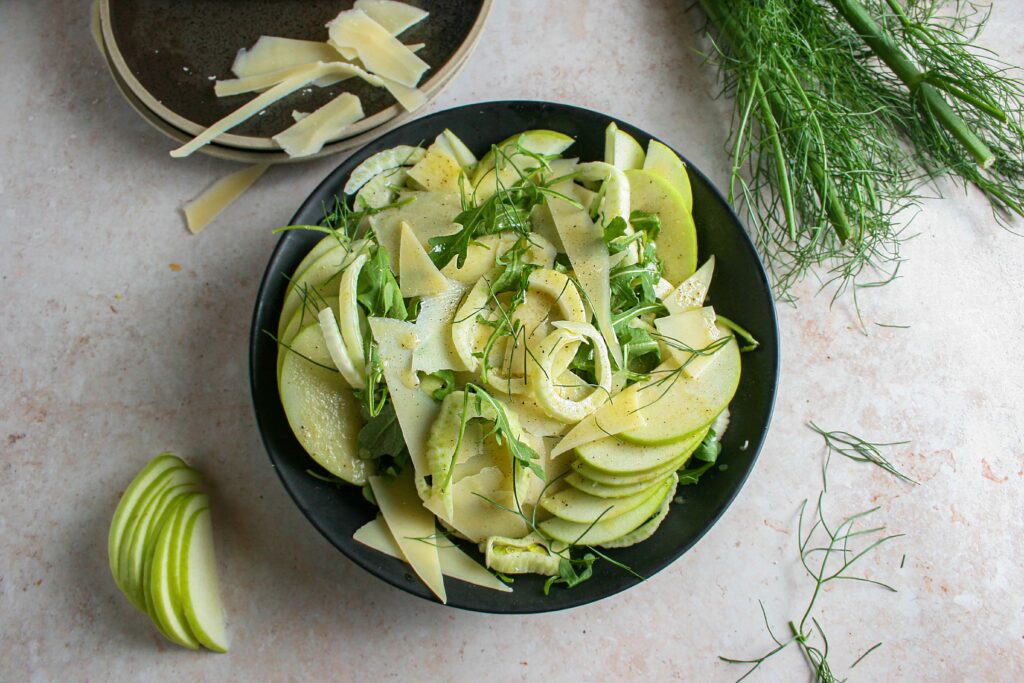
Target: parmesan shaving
[585, 247]
[395, 17]
[201, 211]
[259, 82]
[308, 136]
[418, 275]
[411, 99]
[433, 328]
[619, 415]
[693, 329]
[410, 524]
[378, 50]
[454, 562]
[286, 87]
[415, 409]
[271, 53]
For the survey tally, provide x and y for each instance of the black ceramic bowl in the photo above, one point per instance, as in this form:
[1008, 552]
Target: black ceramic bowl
[740, 291]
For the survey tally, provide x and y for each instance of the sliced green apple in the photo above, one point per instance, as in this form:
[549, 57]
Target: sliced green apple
[677, 242]
[321, 409]
[666, 163]
[616, 457]
[132, 547]
[300, 319]
[130, 507]
[607, 490]
[573, 505]
[602, 477]
[467, 160]
[645, 530]
[319, 249]
[606, 531]
[161, 519]
[677, 406]
[162, 587]
[621, 150]
[486, 179]
[200, 590]
[646, 477]
[322, 277]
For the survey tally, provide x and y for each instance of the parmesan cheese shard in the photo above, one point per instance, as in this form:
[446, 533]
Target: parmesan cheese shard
[687, 332]
[308, 136]
[411, 99]
[437, 171]
[286, 87]
[621, 414]
[585, 247]
[415, 409]
[379, 51]
[454, 562]
[412, 527]
[418, 275]
[339, 71]
[201, 211]
[395, 17]
[271, 53]
[433, 329]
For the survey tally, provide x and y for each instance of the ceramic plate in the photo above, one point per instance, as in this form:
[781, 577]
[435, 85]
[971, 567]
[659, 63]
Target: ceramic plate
[169, 53]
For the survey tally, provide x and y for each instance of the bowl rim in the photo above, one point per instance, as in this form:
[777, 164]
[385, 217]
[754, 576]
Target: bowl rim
[335, 179]
[181, 128]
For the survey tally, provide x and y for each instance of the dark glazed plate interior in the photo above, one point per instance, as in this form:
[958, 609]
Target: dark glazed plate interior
[173, 47]
[740, 291]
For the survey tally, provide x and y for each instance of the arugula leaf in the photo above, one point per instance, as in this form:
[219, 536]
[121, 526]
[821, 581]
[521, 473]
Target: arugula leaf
[572, 572]
[515, 277]
[381, 440]
[378, 290]
[502, 430]
[692, 476]
[614, 232]
[562, 262]
[507, 209]
[634, 284]
[368, 495]
[709, 448]
[640, 351]
[647, 223]
[582, 364]
[447, 380]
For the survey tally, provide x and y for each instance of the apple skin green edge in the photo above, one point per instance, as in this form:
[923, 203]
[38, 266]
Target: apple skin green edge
[677, 241]
[163, 593]
[690, 403]
[131, 551]
[199, 583]
[128, 508]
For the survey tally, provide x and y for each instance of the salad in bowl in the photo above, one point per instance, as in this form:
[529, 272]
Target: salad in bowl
[510, 357]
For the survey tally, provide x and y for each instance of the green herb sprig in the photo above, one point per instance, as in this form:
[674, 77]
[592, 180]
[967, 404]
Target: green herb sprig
[859, 450]
[828, 95]
[828, 553]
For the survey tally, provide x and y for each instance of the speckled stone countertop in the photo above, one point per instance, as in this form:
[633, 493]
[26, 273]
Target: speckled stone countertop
[121, 335]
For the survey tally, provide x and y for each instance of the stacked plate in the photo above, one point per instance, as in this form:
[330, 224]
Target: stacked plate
[165, 56]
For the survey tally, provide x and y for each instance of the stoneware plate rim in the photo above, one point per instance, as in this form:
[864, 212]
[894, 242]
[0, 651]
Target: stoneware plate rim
[433, 87]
